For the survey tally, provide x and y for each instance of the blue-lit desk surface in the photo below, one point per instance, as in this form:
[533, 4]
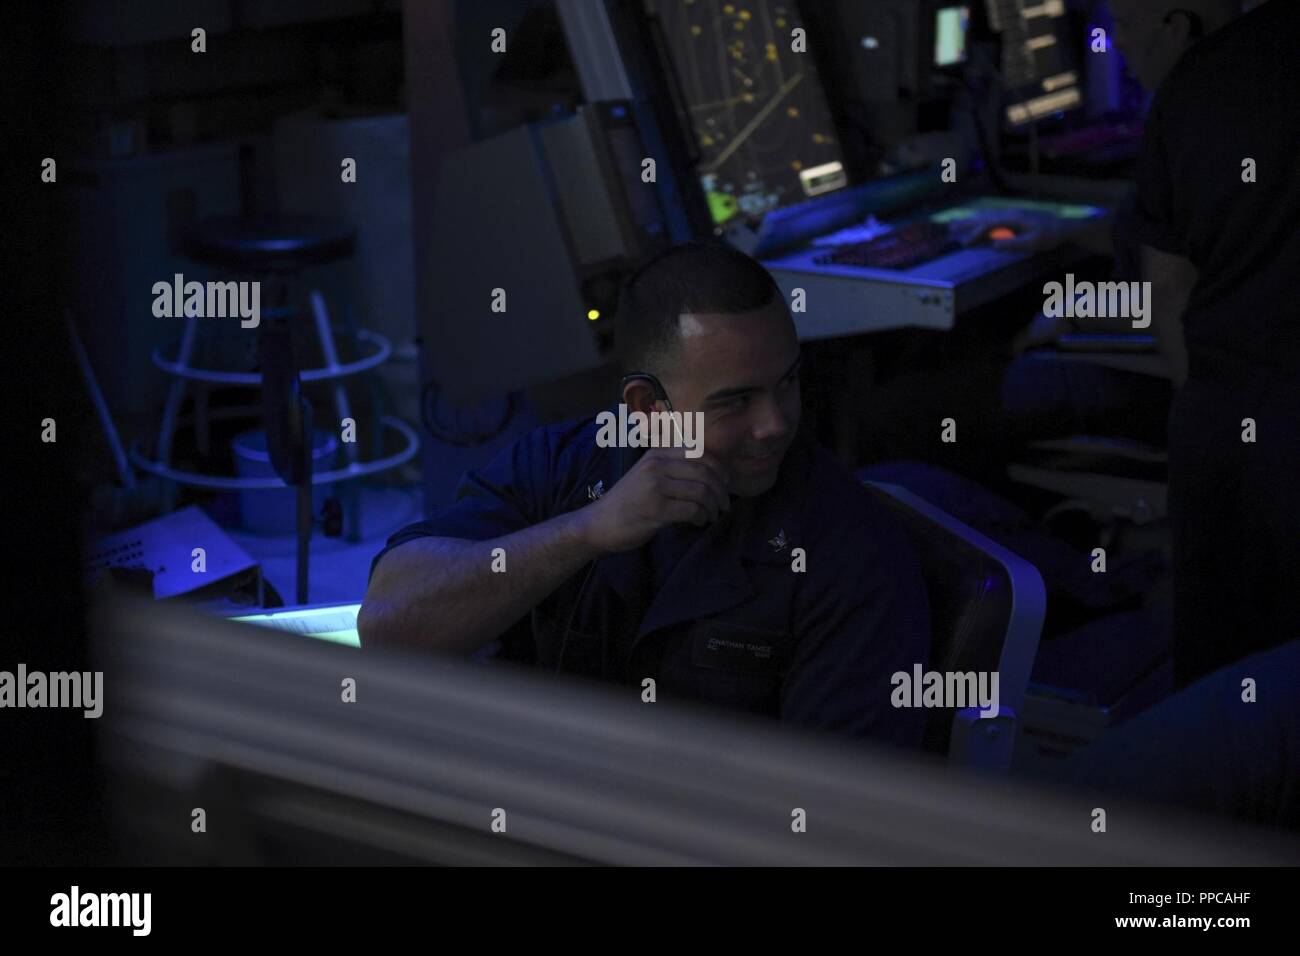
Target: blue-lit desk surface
[846, 300]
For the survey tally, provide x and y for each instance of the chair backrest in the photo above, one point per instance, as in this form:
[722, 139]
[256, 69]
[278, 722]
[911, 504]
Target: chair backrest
[986, 610]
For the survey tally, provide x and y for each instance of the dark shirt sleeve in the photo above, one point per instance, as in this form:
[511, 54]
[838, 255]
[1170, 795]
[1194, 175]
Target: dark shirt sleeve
[865, 617]
[510, 493]
[1155, 220]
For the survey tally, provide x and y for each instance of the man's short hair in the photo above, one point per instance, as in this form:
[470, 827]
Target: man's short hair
[694, 277]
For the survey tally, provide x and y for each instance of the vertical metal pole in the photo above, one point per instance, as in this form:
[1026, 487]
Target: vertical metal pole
[304, 535]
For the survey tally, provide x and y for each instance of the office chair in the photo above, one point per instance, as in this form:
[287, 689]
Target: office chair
[987, 607]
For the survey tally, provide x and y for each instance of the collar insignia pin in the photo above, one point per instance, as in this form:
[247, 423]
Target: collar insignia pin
[778, 543]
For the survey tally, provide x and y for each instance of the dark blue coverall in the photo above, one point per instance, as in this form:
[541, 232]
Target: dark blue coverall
[717, 614]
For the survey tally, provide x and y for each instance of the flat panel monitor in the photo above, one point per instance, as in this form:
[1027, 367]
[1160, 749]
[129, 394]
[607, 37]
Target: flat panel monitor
[951, 29]
[756, 107]
[1037, 72]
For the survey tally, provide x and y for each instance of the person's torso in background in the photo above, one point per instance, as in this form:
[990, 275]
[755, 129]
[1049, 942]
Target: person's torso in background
[1236, 97]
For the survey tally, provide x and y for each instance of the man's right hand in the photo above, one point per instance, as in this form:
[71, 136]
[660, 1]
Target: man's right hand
[663, 488]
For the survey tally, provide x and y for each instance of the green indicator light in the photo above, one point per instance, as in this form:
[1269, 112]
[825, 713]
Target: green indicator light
[722, 206]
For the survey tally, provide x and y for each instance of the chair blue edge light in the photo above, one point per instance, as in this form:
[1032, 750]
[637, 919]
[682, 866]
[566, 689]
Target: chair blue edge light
[988, 743]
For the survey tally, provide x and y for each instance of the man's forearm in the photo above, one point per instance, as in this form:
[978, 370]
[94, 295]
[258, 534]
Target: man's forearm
[442, 592]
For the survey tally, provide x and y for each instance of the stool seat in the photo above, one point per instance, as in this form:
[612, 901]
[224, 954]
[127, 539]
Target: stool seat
[266, 243]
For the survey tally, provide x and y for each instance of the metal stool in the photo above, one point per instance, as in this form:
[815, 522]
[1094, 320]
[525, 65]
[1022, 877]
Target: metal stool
[271, 251]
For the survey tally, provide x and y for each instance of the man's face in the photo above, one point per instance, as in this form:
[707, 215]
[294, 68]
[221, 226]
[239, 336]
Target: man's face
[742, 372]
[1150, 46]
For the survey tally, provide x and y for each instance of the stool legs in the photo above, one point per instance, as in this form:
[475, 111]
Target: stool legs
[321, 314]
[350, 493]
[171, 410]
[202, 421]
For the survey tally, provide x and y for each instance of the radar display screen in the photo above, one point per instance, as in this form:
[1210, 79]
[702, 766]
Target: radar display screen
[759, 114]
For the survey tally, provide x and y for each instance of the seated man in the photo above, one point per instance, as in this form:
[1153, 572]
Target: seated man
[752, 571]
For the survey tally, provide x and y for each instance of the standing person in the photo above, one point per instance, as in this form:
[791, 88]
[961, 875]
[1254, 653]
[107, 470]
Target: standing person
[1046, 394]
[1218, 217]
